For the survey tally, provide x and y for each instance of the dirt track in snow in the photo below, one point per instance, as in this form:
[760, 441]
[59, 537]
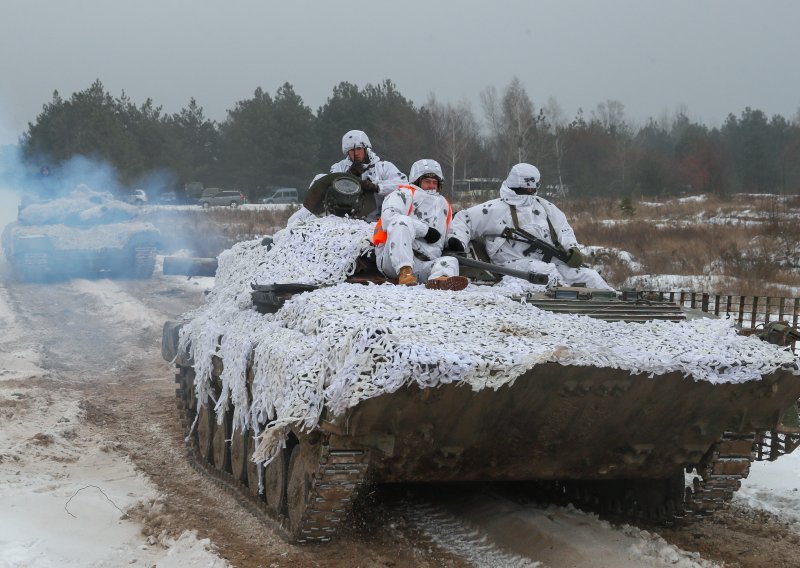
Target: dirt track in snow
[99, 344]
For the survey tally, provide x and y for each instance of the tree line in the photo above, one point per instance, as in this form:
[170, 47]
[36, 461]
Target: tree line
[277, 140]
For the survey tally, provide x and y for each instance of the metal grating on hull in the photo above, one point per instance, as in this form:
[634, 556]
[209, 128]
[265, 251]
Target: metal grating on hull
[612, 310]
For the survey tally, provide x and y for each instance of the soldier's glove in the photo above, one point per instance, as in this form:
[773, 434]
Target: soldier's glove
[454, 245]
[368, 186]
[357, 169]
[574, 258]
[432, 235]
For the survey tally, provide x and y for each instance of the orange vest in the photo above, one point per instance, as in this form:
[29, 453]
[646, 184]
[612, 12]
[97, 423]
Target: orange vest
[380, 235]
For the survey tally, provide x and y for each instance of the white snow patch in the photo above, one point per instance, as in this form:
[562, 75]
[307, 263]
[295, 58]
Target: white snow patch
[67, 514]
[692, 199]
[17, 362]
[188, 550]
[64, 491]
[596, 253]
[774, 487]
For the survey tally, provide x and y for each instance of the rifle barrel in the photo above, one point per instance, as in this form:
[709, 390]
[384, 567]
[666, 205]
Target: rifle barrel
[532, 277]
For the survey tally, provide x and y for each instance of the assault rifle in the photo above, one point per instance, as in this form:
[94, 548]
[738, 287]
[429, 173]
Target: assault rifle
[532, 277]
[537, 245]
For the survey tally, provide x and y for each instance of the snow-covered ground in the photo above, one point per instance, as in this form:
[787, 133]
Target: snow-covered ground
[774, 487]
[69, 491]
[65, 488]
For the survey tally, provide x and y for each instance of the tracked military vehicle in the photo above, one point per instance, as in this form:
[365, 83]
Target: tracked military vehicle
[85, 233]
[301, 381]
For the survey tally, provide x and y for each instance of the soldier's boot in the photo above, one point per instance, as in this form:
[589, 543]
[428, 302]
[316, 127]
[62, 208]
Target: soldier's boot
[454, 283]
[406, 277]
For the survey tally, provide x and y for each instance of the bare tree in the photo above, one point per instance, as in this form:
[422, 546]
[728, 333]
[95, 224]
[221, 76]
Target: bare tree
[558, 129]
[611, 116]
[520, 117]
[490, 102]
[455, 130]
[512, 122]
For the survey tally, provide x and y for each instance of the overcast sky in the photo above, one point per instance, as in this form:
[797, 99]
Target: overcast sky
[711, 57]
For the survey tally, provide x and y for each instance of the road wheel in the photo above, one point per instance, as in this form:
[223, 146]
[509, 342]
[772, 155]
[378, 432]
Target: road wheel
[191, 395]
[205, 432]
[302, 465]
[275, 483]
[239, 455]
[234, 205]
[220, 445]
[205, 204]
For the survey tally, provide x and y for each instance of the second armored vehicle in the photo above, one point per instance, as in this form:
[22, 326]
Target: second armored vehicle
[85, 233]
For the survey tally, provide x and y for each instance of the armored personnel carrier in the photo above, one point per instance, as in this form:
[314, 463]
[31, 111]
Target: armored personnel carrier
[84, 233]
[301, 380]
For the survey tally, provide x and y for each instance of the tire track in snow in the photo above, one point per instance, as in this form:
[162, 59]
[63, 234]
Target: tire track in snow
[115, 304]
[460, 538]
[496, 525]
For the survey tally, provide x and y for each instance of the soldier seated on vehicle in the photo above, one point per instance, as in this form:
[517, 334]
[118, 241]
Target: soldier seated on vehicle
[376, 179]
[521, 209]
[409, 236]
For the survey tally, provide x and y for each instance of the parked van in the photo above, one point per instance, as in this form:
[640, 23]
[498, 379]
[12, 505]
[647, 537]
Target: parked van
[281, 195]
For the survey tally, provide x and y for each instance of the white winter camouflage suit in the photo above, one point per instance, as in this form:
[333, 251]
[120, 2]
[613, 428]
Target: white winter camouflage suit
[406, 231]
[488, 220]
[380, 172]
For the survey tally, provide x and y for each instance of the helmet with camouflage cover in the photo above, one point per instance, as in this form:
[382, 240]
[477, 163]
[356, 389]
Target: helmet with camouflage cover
[426, 168]
[354, 139]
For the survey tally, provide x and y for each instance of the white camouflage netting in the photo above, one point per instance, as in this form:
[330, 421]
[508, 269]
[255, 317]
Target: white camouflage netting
[346, 343]
[82, 206]
[94, 237]
[84, 219]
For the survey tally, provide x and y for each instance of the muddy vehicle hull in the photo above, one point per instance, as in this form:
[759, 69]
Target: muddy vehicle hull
[558, 422]
[606, 439]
